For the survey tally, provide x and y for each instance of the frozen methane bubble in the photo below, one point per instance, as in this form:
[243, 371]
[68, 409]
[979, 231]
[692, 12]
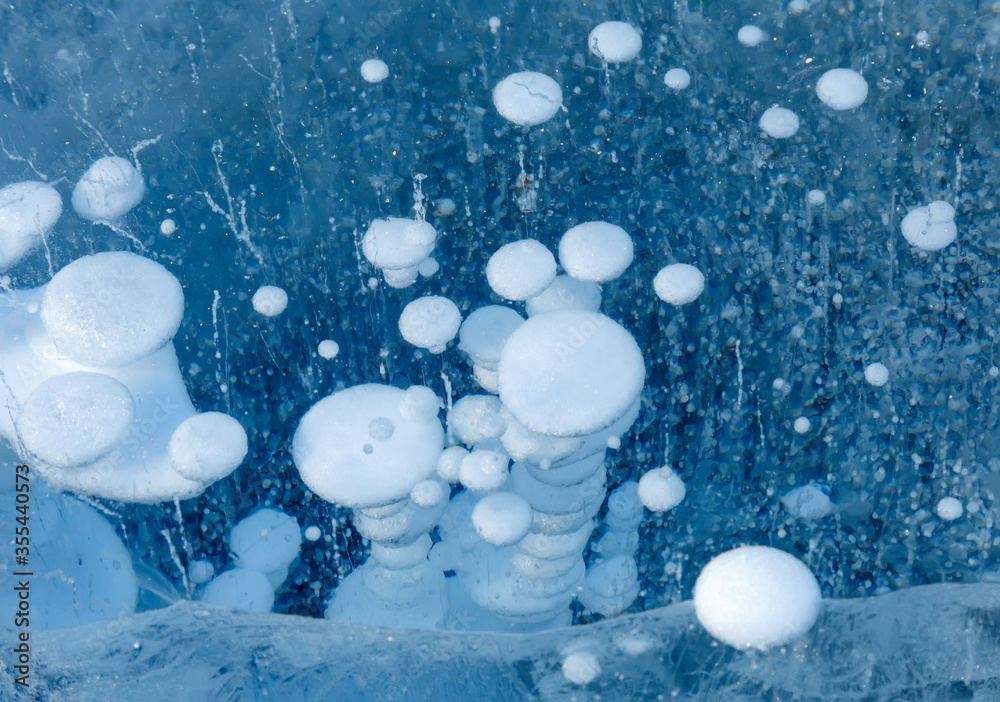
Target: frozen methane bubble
[527, 98]
[475, 419]
[240, 588]
[111, 187]
[876, 374]
[430, 322]
[111, 309]
[374, 71]
[949, 509]
[801, 425]
[595, 251]
[449, 463]
[75, 418]
[569, 373]
[328, 349]
[27, 211]
[168, 227]
[679, 283]
[931, 227]
[751, 35]
[779, 122]
[661, 489]
[313, 533]
[502, 518]
[581, 667]
[566, 293]
[270, 301]
[808, 502]
[207, 447]
[484, 470]
[521, 269]
[266, 541]
[429, 493]
[677, 79]
[485, 331]
[756, 597]
[200, 572]
[344, 461]
[815, 198]
[615, 42]
[842, 89]
[397, 246]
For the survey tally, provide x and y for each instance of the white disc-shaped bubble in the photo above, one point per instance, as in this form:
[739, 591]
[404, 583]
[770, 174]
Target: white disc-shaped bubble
[677, 79]
[502, 518]
[484, 470]
[949, 509]
[581, 667]
[111, 187]
[430, 322]
[374, 71]
[268, 540]
[527, 98]
[751, 35]
[398, 243]
[756, 597]
[270, 300]
[930, 228]
[842, 89]
[876, 374]
[679, 284]
[569, 373]
[449, 463]
[207, 447]
[779, 122]
[485, 331]
[615, 42]
[595, 251]
[110, 309]
[521, 269]
[476, 418]
[27, 211]
[240, 588]
[328, 349]
[75, 418]
[429, 493]
[661, 489]
[342, 463]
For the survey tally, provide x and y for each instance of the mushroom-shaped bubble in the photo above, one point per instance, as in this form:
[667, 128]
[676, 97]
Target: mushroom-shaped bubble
[615, 42]
[931, 227]
[876, 374]
[75, 418]
[527, 98]
[240, 588]
[449, 463]
[111, 187]
[207, 447]
[842, 89]
[751, 35]
[110, 309]
[566, 293]
[266, 541]
[661, 489]
[345, 459]
[779, 122]
[429, 493]
[569, 373]
[484, 470]
[430, 322]
[27, 211]
[521, 269]
[485, 331]
[397, 246]
[476, 418]
[595, 251]
[677, 79]
[374, 71]
[679, 284]
[756, 597]
[502, 518]
[270, 300]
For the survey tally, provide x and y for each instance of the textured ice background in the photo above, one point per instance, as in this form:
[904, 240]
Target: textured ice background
[266, 99]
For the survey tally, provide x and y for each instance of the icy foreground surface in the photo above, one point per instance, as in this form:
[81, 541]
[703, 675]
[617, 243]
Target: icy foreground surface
[877, 648]
[823, 350]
